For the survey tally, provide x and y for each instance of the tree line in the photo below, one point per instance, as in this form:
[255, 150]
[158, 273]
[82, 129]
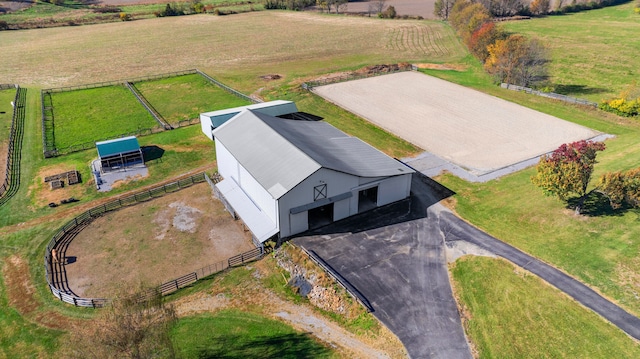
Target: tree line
[510, 58]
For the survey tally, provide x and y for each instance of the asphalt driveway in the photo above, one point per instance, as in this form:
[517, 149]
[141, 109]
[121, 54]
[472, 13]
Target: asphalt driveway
[395, 257]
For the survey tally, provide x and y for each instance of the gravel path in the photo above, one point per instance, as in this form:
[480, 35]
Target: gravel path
[476, 131]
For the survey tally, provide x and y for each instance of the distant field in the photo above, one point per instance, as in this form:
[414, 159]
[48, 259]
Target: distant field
[594, 53]
[86, 54]
[511, 313]
[96, 114]
[185, 97]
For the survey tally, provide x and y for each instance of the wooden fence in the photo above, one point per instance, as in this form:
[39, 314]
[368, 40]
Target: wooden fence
[54, 269]
[11, 180]
[49, 148]
[352, 76]
[555, 96]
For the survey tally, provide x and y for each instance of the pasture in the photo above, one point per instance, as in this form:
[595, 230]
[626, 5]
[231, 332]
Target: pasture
[185, 97]
[97, 114]
[594, 53]
[510, 313]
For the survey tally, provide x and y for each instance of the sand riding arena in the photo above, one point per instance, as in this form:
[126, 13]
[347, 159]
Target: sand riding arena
[475, 131]
[152, 242]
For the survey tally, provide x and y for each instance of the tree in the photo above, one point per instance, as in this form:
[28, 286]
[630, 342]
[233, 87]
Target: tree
[376, 6]
[442, 8]
[539, 7]
[517, 60]
[131, 326]
[621, 188]
[487, 34]
[567, 171]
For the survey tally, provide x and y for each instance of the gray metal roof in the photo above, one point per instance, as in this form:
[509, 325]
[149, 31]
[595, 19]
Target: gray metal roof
[281, 153]
[334, 149]
[272, 160]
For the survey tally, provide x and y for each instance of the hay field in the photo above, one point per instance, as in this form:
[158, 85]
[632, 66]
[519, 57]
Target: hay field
[250, 44]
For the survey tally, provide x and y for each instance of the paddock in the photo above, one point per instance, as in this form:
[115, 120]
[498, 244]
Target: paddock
[473, 130]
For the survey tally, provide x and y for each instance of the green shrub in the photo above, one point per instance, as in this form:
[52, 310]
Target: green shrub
[622, 107]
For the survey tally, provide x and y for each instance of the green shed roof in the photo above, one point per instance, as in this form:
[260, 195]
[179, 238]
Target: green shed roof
[117, 146]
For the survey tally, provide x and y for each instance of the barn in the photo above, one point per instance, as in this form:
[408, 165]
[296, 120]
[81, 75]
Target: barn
[119, 154]
[211, 120]
[283, 176]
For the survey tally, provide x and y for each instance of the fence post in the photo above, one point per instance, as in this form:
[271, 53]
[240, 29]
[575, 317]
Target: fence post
[176, 281]
[74, 301]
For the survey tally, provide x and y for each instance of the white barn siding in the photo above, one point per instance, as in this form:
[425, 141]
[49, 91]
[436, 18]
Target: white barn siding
[258, 194]
[337, 183]
[394, 189]
[227, 164]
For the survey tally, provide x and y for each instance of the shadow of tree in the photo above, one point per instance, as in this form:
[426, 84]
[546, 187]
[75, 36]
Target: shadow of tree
[596, 205]
[299, 346]
[576, 89]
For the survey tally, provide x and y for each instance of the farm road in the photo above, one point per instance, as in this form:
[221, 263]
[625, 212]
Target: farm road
[395, 256]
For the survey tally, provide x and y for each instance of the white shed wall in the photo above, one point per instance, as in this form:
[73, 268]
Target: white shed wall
[205, 125]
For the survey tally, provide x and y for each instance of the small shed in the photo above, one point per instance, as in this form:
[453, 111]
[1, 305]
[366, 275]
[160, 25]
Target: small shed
[119, 154]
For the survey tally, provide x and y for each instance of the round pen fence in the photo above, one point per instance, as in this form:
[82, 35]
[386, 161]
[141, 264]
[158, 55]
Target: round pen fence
[54, 254]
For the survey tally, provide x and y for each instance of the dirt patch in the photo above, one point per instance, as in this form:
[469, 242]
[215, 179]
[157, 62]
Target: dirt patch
[449, 67]
[42, 192]
[11, 6]
[271, 77]
[21, 295]
[153, 242]
[4, 148]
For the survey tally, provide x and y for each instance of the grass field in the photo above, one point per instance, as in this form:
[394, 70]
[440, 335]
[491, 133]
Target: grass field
[70, 12]
[185, 97]
[600, 250]
[594, 53]
[511, 313]
[320, 44]
[235, 334]
[6, 113]
[96, 114]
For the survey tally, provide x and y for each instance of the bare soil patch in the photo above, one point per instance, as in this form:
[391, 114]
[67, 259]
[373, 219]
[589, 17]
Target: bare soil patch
[445, 67]
[43, 194]
[4, 148]
[11, 6]
[153, 242]
[21, 295]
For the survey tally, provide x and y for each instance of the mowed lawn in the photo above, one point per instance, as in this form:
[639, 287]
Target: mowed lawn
[185, 97]
[82, 116]
[510, 313]
[594, 53]
[236, 334]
